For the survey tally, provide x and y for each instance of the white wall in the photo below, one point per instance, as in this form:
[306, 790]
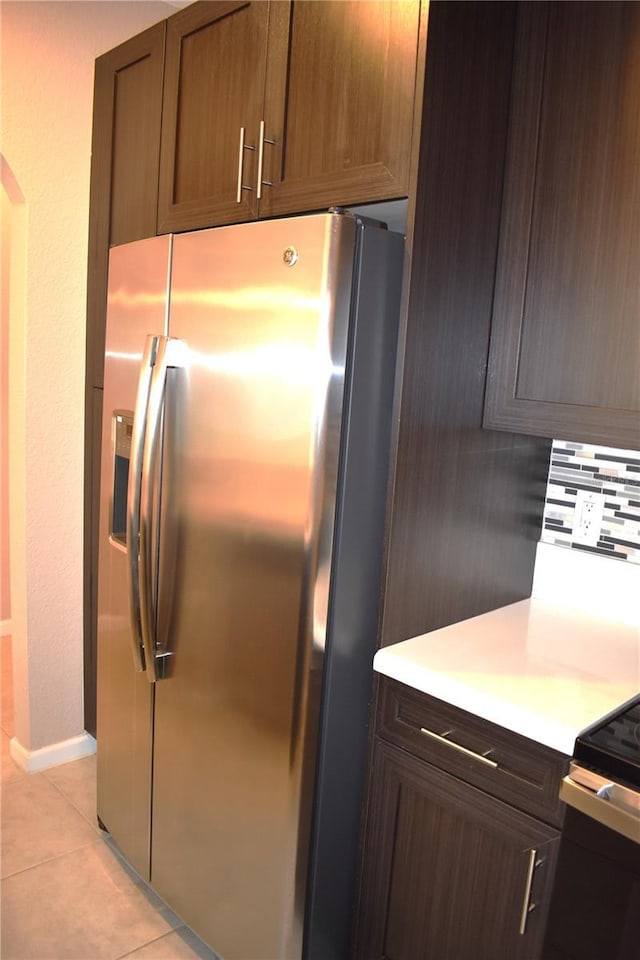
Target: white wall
[5, 269]
[48, 52]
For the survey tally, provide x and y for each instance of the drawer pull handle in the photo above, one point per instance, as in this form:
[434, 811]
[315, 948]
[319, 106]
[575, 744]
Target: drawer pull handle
[526, 906]
[456, 746]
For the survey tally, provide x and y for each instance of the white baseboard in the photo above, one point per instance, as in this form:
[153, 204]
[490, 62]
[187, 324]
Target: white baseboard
[5, 628]
[56, 753]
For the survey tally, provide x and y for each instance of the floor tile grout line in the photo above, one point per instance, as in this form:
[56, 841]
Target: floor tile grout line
[36, 774]
[147, 943]
[100, 838]
[135, 878]
[66, 797]
[57, 856]
[137, 881]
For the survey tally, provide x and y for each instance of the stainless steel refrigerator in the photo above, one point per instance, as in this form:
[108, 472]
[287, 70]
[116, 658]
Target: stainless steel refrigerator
[247, 403]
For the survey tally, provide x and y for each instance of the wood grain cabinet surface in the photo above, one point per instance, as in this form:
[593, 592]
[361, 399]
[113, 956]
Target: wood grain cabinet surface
[565, 347]
[124, 167]
[283, 107]
[450, 871]
[127, 112]
[341, 114]
[214, 87]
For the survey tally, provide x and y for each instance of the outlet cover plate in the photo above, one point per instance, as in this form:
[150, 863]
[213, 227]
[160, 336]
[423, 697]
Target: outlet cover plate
[588, 517]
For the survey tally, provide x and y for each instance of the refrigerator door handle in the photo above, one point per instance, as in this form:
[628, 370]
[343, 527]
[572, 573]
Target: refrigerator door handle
[133, 498]
[169, 354]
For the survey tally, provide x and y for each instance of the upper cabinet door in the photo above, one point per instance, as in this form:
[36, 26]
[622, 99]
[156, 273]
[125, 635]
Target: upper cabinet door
[124, 167]
[214, 89]
[348, 90]
[565, 347]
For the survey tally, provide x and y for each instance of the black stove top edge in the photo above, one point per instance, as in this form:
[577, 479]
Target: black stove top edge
[612, 745]
[621, 770]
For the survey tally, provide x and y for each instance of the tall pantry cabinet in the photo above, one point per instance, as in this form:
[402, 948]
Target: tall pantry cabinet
[127, 111]
[454, 866]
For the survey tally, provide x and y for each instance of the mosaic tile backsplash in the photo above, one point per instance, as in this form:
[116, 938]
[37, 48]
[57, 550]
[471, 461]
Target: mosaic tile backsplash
[578, 470]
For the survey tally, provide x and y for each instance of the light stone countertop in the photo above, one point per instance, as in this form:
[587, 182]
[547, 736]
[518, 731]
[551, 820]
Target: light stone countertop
[540, 670]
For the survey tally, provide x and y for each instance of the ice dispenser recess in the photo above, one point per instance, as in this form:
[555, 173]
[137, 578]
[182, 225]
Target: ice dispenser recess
[122, 433]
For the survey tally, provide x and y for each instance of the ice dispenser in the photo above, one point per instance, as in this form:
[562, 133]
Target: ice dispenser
[123, 430]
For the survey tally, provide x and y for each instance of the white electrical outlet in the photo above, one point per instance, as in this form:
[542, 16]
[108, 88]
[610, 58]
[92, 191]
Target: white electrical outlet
[588, 517]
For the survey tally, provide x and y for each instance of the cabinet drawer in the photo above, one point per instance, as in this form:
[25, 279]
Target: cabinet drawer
[504, 764]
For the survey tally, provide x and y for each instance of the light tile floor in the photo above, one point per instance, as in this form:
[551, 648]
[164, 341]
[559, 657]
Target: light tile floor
[66, 894]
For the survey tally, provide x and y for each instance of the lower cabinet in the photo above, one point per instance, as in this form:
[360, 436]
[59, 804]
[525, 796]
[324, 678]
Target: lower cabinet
[450, 872]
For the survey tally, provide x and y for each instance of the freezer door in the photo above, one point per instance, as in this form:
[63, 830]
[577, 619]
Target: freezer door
[136, 307]
[252, 430]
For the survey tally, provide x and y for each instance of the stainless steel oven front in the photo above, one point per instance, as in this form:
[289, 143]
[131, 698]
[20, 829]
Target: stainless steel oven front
[604, 775]
[595, 905]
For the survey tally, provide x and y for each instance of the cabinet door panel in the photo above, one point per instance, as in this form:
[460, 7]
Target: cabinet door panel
[124, 167]
[135, 153]
[123, 206]
[214, 85]
[345, 135]
[446, 869]
[565, 352]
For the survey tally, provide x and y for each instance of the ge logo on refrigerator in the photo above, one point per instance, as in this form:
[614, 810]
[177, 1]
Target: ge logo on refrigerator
[290, 256]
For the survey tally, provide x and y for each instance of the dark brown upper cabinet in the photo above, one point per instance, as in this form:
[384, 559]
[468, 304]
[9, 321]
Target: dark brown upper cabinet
[282, 107]
[565, 345]
[124, 166]
[216, 58]
[341, 115]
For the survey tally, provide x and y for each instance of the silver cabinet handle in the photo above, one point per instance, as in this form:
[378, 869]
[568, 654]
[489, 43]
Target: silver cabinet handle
[261, 144]
[243, 146]
[133, 498]
[260, 160]
[240, 165]
[456, 746]
[526, 906]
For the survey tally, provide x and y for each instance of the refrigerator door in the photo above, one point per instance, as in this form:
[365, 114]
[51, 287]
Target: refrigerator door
[136, 307]
[252, 436]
